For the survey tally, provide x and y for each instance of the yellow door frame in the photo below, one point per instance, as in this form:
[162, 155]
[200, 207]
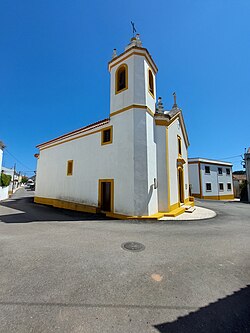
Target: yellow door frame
[111, 181]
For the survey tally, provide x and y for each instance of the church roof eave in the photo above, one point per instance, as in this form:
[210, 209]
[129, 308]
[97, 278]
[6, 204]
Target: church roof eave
[170, 116]
[74, 133]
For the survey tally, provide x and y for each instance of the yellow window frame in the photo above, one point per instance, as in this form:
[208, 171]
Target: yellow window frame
[116, 78]
[70, 167]
[111, 135]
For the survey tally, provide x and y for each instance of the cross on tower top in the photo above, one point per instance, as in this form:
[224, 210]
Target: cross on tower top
[133, 28]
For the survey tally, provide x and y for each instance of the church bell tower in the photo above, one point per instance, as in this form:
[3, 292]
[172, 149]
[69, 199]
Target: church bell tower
[132, 79]
[132, 110]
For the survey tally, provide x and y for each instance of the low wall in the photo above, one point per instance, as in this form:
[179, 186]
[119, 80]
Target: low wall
[4, 192]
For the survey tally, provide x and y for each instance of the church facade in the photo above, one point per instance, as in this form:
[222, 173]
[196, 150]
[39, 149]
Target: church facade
[134, 163]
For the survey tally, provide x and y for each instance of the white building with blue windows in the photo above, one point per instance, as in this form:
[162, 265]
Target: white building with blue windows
[134, 163]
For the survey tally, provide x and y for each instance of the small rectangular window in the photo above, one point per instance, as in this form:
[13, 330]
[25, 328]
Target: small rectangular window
[207, 169]
[70, 168]
[228, 171]
[179, 145]
[208, 187]
[229, 186]
[220, 171]
[107, 135]
[221, 187]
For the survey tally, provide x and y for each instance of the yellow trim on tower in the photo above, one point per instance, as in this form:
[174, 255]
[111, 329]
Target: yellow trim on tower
[151, 63]
[116, 79]
[161, 122]
[133, 106]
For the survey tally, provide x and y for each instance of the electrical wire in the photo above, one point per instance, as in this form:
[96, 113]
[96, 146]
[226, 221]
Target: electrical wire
[228, 158]
[17, 160]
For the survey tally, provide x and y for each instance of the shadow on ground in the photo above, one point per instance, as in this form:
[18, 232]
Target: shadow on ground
[28, 211]
[230, 314]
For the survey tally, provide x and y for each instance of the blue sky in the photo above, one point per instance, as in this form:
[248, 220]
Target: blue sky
[54, 77]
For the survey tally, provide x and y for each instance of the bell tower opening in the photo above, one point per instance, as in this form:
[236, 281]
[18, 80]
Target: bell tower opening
[121, 78]
[151, 83]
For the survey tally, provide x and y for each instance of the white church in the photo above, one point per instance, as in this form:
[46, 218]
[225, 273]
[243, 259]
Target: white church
[134, 163]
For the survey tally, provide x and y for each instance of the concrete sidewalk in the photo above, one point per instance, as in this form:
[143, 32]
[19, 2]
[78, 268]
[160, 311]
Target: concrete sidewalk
[199, 213]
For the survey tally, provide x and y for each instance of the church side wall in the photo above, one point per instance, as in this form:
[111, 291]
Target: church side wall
[91, 162]
[173, 130]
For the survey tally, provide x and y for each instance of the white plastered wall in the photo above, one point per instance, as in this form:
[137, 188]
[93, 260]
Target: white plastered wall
[194, 178]
[151, 166]
[214, 178]
[92, 161]
[160, 136]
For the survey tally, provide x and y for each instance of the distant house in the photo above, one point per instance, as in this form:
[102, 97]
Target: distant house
[239, 177]
[210, 179]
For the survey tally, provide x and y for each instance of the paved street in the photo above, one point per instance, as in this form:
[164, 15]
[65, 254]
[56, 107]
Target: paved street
[67, 272]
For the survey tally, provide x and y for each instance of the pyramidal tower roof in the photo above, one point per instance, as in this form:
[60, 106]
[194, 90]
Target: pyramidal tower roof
[134, 47]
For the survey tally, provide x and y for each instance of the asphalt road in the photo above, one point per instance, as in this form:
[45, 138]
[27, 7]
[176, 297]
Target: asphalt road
[67, 272]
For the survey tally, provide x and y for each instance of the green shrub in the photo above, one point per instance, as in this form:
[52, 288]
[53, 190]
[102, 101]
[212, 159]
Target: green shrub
[24, 179]
[5, 179]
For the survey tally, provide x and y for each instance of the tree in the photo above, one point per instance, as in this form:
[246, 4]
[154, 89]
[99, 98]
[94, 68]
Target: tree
[5, 179]
[24, 179]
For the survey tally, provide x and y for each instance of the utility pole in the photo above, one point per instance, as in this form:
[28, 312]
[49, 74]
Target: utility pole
[13, 178]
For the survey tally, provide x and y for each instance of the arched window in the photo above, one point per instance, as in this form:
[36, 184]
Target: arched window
[179, 145]
[121, 78]
[151, 83]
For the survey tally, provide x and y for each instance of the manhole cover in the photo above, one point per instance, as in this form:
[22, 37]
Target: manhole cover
[133, 246]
